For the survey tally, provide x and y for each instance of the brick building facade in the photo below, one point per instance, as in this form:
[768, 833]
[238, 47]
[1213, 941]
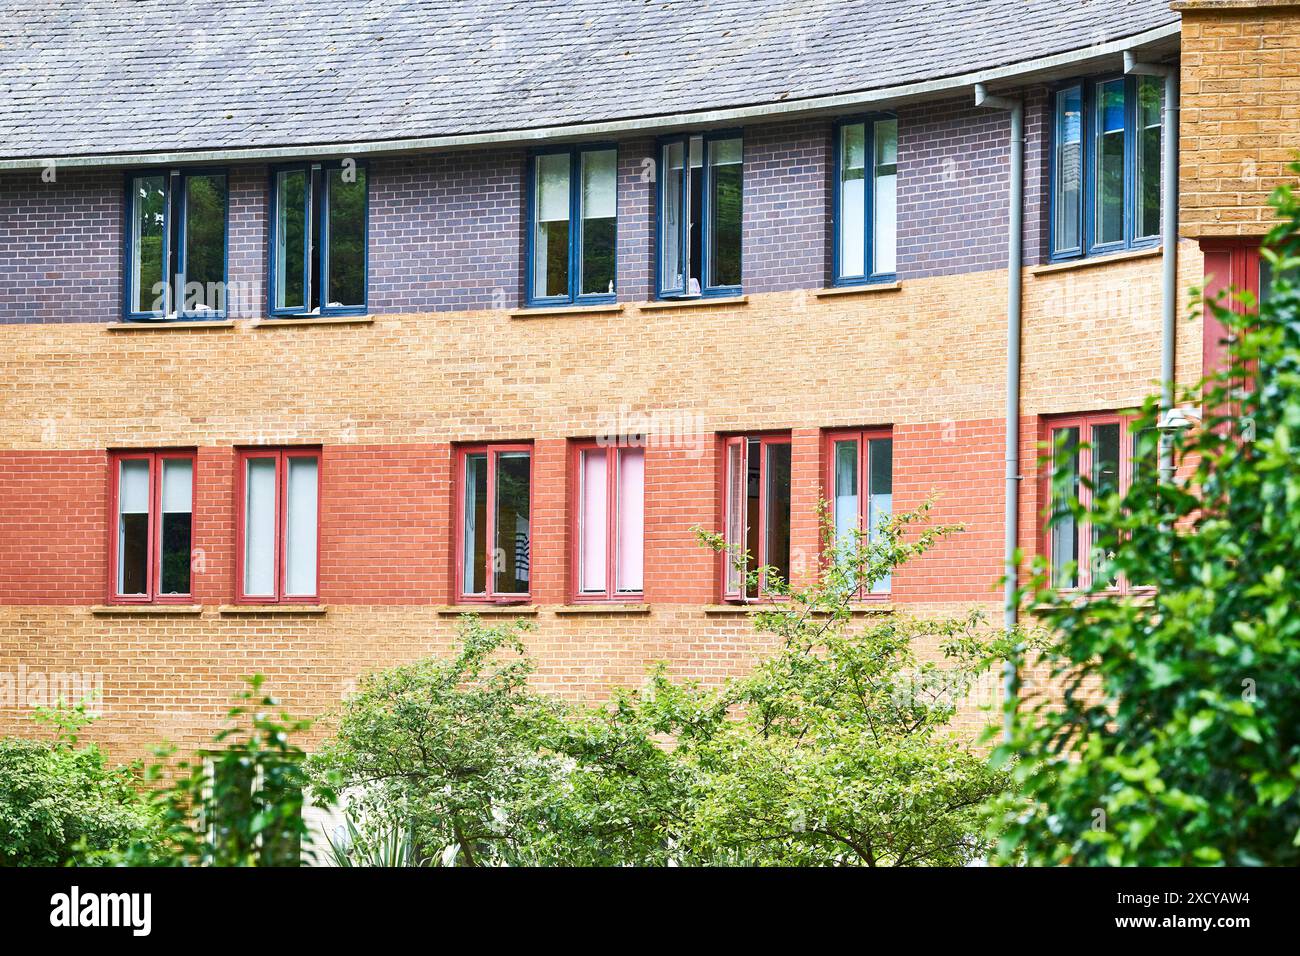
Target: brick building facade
[447, 356]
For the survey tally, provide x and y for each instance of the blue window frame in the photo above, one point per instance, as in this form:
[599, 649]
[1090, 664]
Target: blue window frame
[699, 215]
[572, 225]
[1106, 155]
[319, 260]
[177, 223]
[865, 200]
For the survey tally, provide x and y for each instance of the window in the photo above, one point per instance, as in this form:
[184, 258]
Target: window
[176, 245]
[573, 214]
[860, 482]
[700, 215]
[1106, 166]
[494, 515]
[318, 239]
[279, 525]
[1102, 448]
[152, 495]
[866, 176]
[756, 503]
[609, 486]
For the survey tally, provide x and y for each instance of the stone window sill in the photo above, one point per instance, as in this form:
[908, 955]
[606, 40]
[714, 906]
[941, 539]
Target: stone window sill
[606, 308]
[865, 289]
[697, 303]
[273, 609]
[170, 325]
[611, 607]
[288, 320]
[456, 610]
[1089, 261]
[133, 610]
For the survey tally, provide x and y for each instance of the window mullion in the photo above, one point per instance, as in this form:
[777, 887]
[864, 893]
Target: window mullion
[575, 223]
[613, 463]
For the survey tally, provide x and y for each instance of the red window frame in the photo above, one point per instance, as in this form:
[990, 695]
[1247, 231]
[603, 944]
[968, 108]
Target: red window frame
[1085, 422]
[493, 451]
[612, 511]
[764, 440]
[864, 437]
[281, 457]
[153, 572]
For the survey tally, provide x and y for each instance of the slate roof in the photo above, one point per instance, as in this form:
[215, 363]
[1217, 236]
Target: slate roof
[96, 77]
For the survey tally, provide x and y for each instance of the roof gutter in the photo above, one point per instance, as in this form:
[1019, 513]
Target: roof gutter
[862, 100]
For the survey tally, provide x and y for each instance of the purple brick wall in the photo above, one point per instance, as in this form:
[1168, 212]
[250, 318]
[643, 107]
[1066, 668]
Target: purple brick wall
[786, 238]
[446, 232]
[60, 247]
[636, 220]
[246, 241]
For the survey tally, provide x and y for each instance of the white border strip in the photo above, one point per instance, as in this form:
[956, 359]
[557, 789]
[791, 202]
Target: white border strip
[839, 102]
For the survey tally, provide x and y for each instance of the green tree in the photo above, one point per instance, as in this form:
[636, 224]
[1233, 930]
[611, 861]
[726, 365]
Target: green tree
[1173, 735]
[61, 802]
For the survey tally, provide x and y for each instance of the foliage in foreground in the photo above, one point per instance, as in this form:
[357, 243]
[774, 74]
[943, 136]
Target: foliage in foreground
[835, 750]
[60, 801]
[1178, 738]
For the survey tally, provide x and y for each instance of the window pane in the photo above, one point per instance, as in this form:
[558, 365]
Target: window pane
[631, 519]
[593, 522]
[148, 225]
[205, 243]
[846, 490]
[474, 572]
[777, 519]
[599, 214]
[259, 527]
[290, 239]
[853, 198]
[886, 166]
[880, 505]
[670, 238]
[1150, 100]
[737, 503]
[300, 531]
[1065, 532]
[1105, 479]
[347, 236]
[753, 512]
[1069, 167]
[133, 527]
[694, 215]
[725, 185]
[512, 528]
[1110, 162]
[177, 522]
[551, 239]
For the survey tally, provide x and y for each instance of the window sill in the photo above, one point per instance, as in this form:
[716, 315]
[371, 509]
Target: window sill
[717, 610]
[132, 610]
[560, 310]
[283, 321]
[697, 303]
[456, 610]
[169, 325]
[611, 607]
[273, 609]
[1087, 262]
[865, 289]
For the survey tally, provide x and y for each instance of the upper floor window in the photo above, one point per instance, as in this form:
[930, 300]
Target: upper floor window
[494, 512]
[700, 215]
[152, 495]
[279, 525]
[176, 245]
[1106, 166]
[573, 215]
[1102, 448]
[318, 239]
[609, 521]
[756, 506]
[860, 480]
[866, 177]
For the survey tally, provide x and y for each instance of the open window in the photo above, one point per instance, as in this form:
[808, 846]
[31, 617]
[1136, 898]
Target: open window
[700, 191]
[318, 239]
[860, 486]
[572, 235]
[1106, 155]
[494, 516]
[176, 245]
[152, 496]
[756, 513]
[609, 512]
[866, 177]
[279, 525]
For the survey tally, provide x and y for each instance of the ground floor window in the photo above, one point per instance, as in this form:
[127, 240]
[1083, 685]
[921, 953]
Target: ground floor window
[756, 503]
[608, 531]
[152, 496]
[860, 482]
[279, 525]
[494, 514]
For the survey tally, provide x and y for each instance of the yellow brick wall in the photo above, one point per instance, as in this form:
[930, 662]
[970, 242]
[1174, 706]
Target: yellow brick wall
[1240, 112]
